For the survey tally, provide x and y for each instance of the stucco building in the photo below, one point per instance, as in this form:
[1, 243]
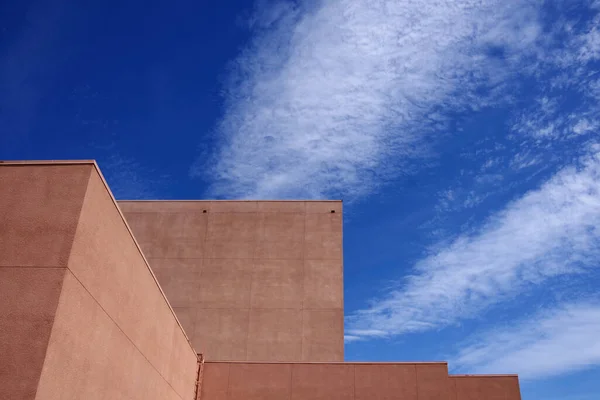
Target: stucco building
[211, 300]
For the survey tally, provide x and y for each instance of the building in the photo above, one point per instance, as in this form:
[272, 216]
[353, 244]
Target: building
[210, 300]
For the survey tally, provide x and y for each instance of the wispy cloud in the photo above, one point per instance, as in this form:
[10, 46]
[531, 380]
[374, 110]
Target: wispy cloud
[128, 179]
[329, 100]
[566, 105]
[565, 339]
[548, 232]
[352, 338]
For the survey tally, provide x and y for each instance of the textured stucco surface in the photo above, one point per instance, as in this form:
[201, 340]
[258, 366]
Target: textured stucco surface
[28, 301]
[349, 381]
[39, 210]
[107, 261]
[473, 387]
[81, 315]
[250, 280]
[90, 357]
[326, 381]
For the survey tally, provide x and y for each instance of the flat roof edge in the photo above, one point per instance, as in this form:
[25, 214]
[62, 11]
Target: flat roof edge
[330, 362]
[484, 376]
[231, 201]
[46, 162]
[139, 249]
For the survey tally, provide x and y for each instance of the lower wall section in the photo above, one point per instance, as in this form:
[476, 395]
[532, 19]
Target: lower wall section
[89, 357]
[325, 381]
[490, 387]
[349, 381]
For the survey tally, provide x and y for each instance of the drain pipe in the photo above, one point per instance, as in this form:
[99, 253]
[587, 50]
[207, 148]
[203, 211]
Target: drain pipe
[200, 376]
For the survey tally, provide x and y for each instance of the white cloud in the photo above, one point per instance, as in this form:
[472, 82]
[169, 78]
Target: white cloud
[542, 119]
[568, 82]
[593, 89]
[328, 101]
[548, 232]
[350, 338]
[525, 159]
[562, 340]
[590, 46]
[584, 125]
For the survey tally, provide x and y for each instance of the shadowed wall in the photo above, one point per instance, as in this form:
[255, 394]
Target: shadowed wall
[249, 280]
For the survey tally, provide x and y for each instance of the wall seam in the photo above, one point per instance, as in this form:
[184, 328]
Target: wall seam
[455, 389]
[227, 395]
[303, 281]
[139, 249]
[354, 386]
[66, 267]
[291, 380]
[342, 274]
[417, 381]
[125, 334]
[253, 270]
[202, 266]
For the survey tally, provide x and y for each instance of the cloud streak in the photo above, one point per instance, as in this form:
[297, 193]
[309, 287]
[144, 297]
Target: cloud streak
[329, 100]
[565, 339]
[549, 232]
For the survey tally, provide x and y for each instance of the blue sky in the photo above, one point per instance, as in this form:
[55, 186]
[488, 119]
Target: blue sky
[463, 137]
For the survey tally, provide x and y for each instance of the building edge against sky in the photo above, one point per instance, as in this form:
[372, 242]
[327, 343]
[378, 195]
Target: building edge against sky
[102, 300]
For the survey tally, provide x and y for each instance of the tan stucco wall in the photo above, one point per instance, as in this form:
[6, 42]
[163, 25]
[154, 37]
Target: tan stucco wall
[350, 381]
[489, 387]
[250, 280]
[39, 210]
[326, 381]
[82, 315]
